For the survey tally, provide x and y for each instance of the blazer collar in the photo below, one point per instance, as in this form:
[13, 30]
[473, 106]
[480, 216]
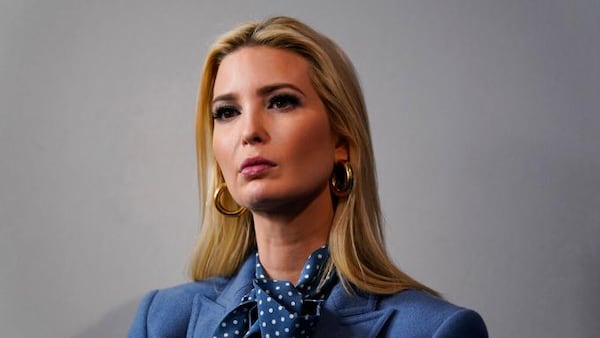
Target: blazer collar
[208, 310]
[342, 312]
[351, 315]
[239, 285]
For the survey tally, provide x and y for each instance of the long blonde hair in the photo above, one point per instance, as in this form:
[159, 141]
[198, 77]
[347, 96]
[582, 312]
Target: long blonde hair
[356, 240]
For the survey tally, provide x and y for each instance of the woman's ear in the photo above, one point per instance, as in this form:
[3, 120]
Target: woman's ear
[342, 152]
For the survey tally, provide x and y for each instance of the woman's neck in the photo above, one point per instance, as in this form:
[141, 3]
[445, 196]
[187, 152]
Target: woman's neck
[285, 241]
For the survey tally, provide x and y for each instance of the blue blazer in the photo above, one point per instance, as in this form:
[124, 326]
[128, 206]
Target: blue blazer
[194, 310]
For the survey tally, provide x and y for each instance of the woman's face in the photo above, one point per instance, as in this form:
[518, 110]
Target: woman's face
[272, 138]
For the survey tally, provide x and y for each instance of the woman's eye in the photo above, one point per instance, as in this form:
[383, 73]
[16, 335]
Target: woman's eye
[283, 102]
[224, 113]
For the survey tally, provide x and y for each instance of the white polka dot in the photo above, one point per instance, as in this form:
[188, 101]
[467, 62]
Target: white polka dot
[280, 308]
[262, 312]
[307, 266]
[237, 332]
[306, 276]
[273, 321]
[270, 310]
[290, 293]
[319, 256]
[282, 318]
[293, 303]
[223, 324]
[287, 329]
[291, 316]
[269, 299]
[264, 324]
[235, 321]
[277, 287]
[225, 334]
[277, 333]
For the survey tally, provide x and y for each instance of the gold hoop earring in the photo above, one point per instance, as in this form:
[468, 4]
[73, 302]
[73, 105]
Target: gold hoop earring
[342, 179]
[218, 197]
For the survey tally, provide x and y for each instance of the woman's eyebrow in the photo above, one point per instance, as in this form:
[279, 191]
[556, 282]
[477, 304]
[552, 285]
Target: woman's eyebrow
[266, 90]
[224, 97]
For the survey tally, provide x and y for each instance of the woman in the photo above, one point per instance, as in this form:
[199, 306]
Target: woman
[286, 172]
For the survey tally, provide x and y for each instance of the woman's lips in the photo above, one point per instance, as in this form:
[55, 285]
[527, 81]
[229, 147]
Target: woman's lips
[255, 166]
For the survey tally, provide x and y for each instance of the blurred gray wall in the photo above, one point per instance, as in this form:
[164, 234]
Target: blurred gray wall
[485, 118]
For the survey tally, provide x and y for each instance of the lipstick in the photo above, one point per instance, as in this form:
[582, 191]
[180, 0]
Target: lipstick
[255, 166]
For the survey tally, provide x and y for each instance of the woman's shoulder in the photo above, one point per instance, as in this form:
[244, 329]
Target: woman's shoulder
[420, 312]
[168, 310]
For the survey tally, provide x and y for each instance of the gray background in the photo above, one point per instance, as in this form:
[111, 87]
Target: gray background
[484, 117]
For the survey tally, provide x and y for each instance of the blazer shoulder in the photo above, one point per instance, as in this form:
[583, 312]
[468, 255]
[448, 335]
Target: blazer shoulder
[420, 314]
[166, 312]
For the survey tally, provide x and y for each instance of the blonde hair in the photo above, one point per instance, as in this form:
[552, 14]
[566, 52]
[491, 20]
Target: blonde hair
[356, 240]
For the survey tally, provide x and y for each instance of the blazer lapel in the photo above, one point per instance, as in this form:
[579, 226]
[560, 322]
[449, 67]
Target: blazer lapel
[208, 312]
[346, 315]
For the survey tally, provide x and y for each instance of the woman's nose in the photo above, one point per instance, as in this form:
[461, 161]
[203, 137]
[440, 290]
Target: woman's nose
[254, 127]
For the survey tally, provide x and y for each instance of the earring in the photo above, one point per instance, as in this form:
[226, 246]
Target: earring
[218, 197]
[342, 179]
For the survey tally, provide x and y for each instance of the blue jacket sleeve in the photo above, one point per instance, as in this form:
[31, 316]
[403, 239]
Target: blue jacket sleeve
[463, 323]
[139, 327]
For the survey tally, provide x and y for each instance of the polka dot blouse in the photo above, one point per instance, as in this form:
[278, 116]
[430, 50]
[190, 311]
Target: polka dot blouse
[275, 308]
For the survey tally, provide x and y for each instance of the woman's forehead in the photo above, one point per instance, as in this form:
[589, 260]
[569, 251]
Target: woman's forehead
[258, 66]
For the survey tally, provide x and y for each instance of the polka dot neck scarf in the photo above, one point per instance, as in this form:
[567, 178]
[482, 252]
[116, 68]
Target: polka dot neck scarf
[275, 308]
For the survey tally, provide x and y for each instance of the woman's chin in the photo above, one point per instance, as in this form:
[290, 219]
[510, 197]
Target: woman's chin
[264, 204]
